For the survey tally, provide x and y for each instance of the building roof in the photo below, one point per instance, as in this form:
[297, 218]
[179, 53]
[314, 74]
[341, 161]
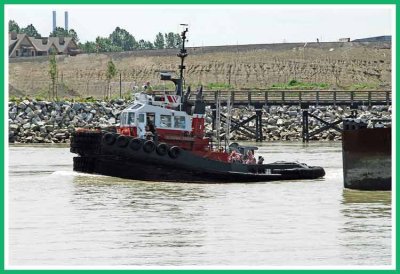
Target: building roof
[13, 46]
[384, 38]
[37, 43]
[68, 41]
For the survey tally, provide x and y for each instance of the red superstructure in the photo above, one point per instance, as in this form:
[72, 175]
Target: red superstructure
[157, 118]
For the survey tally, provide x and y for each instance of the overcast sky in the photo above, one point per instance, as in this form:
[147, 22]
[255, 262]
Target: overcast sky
[215, 24]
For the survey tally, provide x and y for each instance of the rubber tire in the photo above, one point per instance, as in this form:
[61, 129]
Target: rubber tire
[84, 164]
[174, 152]
[162, 149]
[149, 146]
[136, 144]
[122, 141]
[109, 139]
[86, 143]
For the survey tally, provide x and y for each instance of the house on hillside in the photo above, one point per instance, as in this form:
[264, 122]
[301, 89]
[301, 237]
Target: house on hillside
[44, 47]
[21, 45]
[65, 45]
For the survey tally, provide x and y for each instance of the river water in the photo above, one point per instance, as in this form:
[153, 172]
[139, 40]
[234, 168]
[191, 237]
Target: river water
[57, 217]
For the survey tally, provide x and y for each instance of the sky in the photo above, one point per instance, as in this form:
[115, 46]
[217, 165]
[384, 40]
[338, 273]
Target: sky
[211, 25]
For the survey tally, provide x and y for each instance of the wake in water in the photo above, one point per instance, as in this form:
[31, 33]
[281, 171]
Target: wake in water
[70, 173]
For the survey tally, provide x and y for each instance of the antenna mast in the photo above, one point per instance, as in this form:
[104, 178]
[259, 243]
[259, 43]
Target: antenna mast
[182, 54]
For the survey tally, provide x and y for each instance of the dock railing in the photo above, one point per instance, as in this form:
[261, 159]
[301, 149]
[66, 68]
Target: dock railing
[300, 97]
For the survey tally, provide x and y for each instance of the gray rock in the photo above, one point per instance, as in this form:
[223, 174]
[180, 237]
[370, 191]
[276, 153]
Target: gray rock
[22, 105]
[26, 126]
[60, 136]
[49, 128]
[39, 139]
[36, 120]
[280, 122]
[28, 110]
[272, 121]
[287, 123]
[12, 115]
[13, 127]
[35, 127]
[112, 121]
[116, 112]
[272, 128]
[89, 117]
[107, 110]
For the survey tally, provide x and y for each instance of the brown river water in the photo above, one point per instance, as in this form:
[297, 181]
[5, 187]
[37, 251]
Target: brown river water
[61, 218]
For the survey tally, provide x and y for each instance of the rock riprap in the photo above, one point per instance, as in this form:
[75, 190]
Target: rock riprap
[32, 121]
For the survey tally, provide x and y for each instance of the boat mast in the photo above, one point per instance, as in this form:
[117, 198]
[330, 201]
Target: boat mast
[228, 123]
[182, 54]
[218, 119]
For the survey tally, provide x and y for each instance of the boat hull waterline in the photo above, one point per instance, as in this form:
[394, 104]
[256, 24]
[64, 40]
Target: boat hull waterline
[126, 157]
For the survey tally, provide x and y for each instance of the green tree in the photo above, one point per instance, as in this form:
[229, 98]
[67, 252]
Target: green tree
[53, 73]
[31, 31]
[178, 40]
[169, 40]
[159, 42]
[145, 44]
[172, 40]
[110, 73]
[123, 39]
[61, 32]
[72, 33]
[105, 45]
[13, 26]
[88, 47]
[148, 45]
[142, 44]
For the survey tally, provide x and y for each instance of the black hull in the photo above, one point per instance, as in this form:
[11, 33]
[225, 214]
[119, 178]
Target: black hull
[122, 159]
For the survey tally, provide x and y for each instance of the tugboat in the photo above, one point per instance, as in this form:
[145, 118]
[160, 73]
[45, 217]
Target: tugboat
[162, 138]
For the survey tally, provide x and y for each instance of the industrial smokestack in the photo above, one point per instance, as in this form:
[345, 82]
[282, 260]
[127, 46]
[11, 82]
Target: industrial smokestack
[66, 20]
[54, 20]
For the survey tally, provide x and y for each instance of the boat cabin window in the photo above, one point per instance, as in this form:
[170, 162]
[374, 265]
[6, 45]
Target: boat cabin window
[165, 121]
[150, 117]
[131, 118]
[179, 122]
[136, 106]
[123, 118]
[141, 118]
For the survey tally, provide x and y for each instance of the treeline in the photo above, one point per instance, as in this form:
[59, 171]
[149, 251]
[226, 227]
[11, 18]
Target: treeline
[31, 31]
[119, 40]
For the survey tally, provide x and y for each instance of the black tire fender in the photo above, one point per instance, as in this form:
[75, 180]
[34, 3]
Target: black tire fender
[174, 152]
[162, 149]
[109, 139]
[122, 141]
[136, 144]
[149, 146]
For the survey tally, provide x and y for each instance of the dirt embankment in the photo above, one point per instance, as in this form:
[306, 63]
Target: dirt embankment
[340, 65]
